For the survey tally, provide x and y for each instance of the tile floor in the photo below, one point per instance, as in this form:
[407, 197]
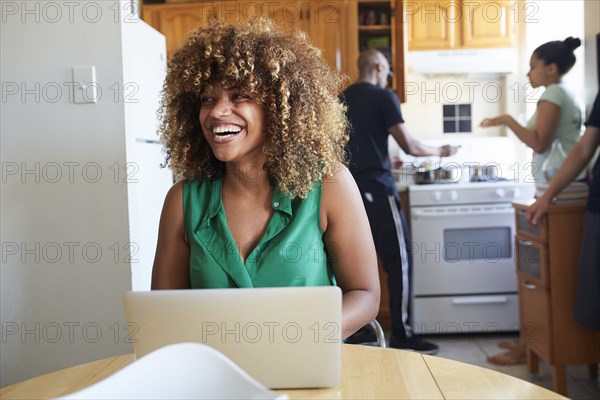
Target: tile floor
[475, 349]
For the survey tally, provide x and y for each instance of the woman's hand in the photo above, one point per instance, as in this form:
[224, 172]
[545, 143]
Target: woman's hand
[537, 210]
[488, 122]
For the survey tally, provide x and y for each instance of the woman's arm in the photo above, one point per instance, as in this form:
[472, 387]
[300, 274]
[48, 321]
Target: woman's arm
[171, 268]
[577, 159]
[350, 247]
[539, 138]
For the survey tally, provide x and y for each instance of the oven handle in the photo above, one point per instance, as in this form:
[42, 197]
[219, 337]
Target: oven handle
[479, 300]
[441, 212]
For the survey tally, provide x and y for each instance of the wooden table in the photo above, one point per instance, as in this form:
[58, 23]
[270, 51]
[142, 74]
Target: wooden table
[367, 372]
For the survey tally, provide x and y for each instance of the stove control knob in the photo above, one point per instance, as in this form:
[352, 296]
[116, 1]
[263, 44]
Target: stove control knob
[517, 193]
[453, 195]
[500, 193]
[436, 196]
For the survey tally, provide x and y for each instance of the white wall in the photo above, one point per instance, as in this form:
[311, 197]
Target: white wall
[426, 95]
[591, 29]
[555, 20]
[540, 22]
[60, 308]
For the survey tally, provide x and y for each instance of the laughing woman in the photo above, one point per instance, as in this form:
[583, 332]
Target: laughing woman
[255, 132]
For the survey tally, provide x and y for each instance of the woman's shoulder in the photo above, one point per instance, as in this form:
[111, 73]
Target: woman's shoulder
[172, 207]
[176, 191]
[337, 186]
[340, 196]
[197, 194]
[557, 93]
[341, 175]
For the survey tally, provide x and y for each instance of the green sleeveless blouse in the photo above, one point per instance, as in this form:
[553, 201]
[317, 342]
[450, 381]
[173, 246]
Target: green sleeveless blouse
[290, 253]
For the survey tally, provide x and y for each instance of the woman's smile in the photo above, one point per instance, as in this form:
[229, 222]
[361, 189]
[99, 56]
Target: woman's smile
[225, 133]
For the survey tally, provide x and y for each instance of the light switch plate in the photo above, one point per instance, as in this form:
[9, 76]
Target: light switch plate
[85, 87]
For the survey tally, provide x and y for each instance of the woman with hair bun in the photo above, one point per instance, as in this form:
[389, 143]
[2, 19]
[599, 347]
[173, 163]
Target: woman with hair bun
[255, 132]
[557, 117]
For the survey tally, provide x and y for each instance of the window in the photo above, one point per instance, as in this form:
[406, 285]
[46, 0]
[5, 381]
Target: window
[457, 118]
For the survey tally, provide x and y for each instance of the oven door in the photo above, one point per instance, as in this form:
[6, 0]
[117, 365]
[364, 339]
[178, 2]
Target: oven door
[463, 250]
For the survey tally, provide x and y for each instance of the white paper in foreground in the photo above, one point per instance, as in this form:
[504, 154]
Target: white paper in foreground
[179, 371]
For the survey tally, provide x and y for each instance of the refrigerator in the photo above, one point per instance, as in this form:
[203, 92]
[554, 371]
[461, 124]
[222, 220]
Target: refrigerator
[82, 182]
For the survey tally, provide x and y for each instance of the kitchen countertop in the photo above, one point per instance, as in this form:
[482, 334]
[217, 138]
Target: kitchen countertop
[402, 187]
[403, 181]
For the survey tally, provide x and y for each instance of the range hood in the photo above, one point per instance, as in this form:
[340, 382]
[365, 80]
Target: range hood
[464, 61]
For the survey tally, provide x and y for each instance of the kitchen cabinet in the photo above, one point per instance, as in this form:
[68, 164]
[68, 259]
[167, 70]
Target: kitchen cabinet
[430, 25]
[175, 21]
[547, 264]
[380, 26]
[329, 29]
[460, 24]
[405, 203]
[488, 23]
[325, 22]
[339, 28]
[384, 317]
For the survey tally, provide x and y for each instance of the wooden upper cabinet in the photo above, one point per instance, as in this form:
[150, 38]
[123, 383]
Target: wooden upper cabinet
[327, 30]
[321, 20]
[176, 21]
[430, 24]
[488, 23]
[287, 14]
[332, 26]
[378, 24]
[455, 24]
[324, 21]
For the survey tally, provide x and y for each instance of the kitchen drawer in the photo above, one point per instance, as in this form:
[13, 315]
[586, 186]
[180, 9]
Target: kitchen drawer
[532, 260]
[466, 314]
[539, 232]
[536, 317]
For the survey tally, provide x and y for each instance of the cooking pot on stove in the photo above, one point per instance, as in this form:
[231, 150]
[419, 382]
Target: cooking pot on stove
[441, 175]
[422, 176]
[448, 174]
[484, 173]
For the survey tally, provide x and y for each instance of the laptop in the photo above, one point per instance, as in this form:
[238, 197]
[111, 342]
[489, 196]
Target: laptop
[285, 338]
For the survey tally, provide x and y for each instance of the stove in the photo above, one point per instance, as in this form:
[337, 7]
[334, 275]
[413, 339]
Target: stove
[464, 276]
[501, 191]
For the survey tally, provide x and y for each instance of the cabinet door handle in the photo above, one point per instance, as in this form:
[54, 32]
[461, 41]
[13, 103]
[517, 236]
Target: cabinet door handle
[526, 243]
[480, 300]
[529, 285]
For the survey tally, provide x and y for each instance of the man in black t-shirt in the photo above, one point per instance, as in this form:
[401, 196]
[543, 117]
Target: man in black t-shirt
[374, 114]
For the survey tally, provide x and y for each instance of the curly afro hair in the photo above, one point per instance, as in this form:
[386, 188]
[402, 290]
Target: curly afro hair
[305, 123]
